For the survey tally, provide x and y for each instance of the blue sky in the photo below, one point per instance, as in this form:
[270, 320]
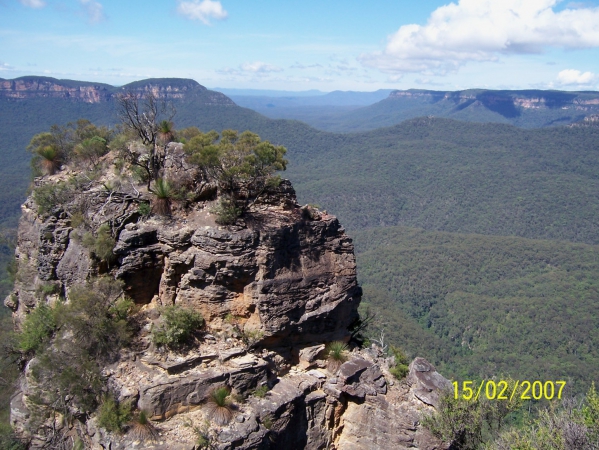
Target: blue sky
[345, 45]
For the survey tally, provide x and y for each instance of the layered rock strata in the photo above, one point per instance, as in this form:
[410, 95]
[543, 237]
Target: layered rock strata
[273, 289]
[32, 87]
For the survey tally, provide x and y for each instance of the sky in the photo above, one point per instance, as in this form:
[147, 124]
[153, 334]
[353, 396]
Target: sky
[325, 45]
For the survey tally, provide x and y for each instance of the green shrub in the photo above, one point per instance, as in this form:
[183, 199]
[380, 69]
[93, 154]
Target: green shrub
[99, 324]
[261, 391]
[176, 327]
[119, 164]
[112, 416]
[267, 421]
[66, 375]
[49, 195]
[77, 219]
[202, 433]
[226, 211]
[400, 369]
[90, 330]
[12, 268]
[249, 337]
[91, 149]
[473, 424]
[139, 174]
[120, 310]
[47, 289]
[102, 244]
[144, 209]
[37, 329]
[458, 421]
[8, 440]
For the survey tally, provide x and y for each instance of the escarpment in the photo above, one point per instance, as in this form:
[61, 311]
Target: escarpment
[33, 87]
[115, 365]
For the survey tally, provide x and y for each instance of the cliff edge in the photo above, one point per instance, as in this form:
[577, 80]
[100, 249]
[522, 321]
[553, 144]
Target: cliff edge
[104, 274]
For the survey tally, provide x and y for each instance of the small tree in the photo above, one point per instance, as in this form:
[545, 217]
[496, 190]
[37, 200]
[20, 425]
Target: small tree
[177, 326]
[51, 149]
[102, 244]
[92, 149]
[150, 120]
[400, 369]
[37, 328]
[242, 164]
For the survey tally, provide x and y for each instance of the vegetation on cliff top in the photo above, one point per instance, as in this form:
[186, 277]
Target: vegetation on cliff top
[82, 165]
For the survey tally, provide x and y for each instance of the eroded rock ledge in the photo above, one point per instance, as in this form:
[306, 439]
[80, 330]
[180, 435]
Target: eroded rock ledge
[284, 275]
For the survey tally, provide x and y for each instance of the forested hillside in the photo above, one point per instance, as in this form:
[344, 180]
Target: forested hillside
[484, 306]
[478, 301]
[446, 175]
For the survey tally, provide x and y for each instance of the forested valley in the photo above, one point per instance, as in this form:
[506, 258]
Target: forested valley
[477, 243]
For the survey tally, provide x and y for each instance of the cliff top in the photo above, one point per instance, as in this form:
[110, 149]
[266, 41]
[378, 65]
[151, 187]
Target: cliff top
[92, 92]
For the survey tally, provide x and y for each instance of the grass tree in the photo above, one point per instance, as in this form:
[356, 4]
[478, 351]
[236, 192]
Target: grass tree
[142, 428]
[49, 159]
[163, 196]
[220, 405]
[336, 355]
[166, 131]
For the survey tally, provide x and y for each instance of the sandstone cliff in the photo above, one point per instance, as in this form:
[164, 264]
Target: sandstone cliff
[164, 88]
[509, 103]
[273, 289]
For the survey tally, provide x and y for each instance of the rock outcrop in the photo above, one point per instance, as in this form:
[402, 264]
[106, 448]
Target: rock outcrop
[273, 289]
[510, 104]
[164, 88]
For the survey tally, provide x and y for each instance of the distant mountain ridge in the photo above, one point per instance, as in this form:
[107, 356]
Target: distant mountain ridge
[523, 108]
[507, 103]
[46, 87]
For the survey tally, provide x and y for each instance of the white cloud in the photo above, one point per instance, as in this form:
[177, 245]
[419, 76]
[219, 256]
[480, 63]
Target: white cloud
[259, 67]
[298, 65]
[570, 77]
[33, 3]
[256, 69]
[93, 10]
[481, 30]
[202, 10]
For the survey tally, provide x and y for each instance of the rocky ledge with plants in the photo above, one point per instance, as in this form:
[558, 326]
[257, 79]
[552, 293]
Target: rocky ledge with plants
[172, 294]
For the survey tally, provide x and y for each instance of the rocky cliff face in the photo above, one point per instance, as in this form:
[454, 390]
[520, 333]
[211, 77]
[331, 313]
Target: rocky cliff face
[534, 99]
[273, 289]
[164, 88]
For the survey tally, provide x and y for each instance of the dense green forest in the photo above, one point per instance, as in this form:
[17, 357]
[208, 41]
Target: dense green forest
[446, 175]
[433, 173]
[501, 276]
[484, 306]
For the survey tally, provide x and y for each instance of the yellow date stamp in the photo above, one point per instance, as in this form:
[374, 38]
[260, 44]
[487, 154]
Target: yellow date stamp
[502, 390]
